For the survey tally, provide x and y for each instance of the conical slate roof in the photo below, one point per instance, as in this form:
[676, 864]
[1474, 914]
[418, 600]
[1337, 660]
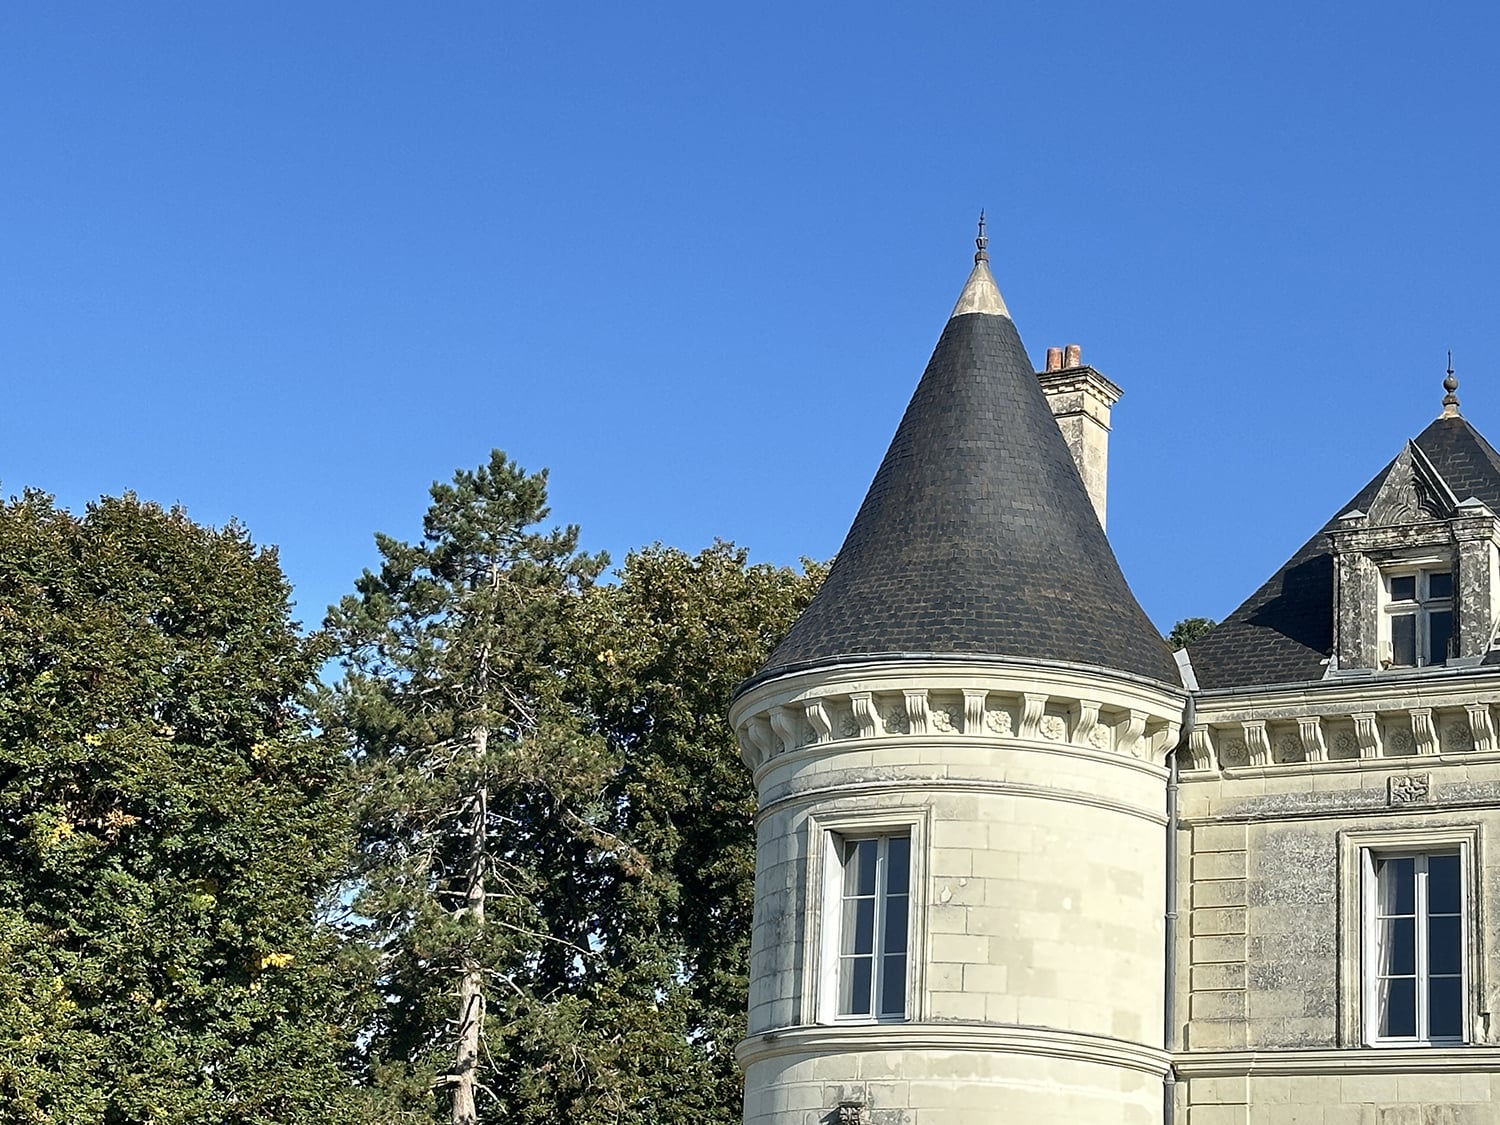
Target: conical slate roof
[977, 536]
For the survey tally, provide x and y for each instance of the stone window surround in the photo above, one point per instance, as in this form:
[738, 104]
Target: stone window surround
[1420, 567]
[1355, 1014]
[1466, 544]
[820, 955]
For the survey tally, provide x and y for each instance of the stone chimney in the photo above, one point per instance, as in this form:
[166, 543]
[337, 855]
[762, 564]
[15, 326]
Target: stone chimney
[1081, 399]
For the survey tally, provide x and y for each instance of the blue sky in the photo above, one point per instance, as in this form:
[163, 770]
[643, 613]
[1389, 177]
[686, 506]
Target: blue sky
[291, 263]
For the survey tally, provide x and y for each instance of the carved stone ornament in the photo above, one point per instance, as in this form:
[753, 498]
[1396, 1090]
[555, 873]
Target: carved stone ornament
[1053, 728]
[942, 720]
[849, 726]
[1344, 744]
[896, 720]
[1410, 788]
[998, 722]
[1234, 752]
[1459, 737]
[1405, 496]
[1099, 737]
[850, 1113]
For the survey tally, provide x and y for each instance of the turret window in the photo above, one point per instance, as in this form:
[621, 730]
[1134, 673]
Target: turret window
[873, 927]
[1418, 617]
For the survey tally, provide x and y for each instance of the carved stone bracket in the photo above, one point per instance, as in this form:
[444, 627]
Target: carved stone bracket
[916, 711]
[974, 711]
[1423, 731]
[1480, 726]
[1088, 719]
[1367, 733]
[1256, 741]
[1130, 739]
[862, 703]
[784, 724]
[1200, 745]
[817, 718]
[1034, 705]
[1310, 732]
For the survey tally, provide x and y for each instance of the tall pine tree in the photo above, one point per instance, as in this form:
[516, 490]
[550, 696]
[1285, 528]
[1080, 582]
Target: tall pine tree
[472, 769]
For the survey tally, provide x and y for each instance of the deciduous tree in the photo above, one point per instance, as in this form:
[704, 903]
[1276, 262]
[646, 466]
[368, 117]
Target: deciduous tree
[168, 828]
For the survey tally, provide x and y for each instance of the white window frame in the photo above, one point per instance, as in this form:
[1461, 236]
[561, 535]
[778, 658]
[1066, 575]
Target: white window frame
[1359, 953]
[1420, 608]
[826, 833]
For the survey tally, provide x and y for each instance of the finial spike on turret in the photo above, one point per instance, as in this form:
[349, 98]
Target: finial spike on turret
[1450, 384]
[983, 253]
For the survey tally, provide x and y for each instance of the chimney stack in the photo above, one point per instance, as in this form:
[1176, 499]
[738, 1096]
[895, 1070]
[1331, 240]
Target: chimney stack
[1081, 399]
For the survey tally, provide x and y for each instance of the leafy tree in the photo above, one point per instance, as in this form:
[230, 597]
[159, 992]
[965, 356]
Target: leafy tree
[666, 648]
[476, 783]
[168, 828]
[1189, 630]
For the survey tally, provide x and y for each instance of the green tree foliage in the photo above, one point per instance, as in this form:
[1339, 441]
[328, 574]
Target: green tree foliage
[168, 827]
[477, 789]
[557, 846]
[1189, 630]
[667, 647]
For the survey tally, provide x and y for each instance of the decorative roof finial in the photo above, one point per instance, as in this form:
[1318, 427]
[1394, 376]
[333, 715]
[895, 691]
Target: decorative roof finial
[982, 254]
[1450, 384]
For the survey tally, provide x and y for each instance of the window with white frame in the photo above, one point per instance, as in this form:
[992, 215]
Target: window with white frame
[1416, 937]
[873, 926]
[1418, 623]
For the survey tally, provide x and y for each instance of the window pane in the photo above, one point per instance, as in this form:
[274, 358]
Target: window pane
[898, 865]
[1445, 1014]
[895, 925]
[1397, 885]
[854, 986]
[1440, 585]
[1398, 1007]
[1401, 944]
[1404, 588]
[1404, 639]
[1443, 896]
[859, 925]
[893, 986]
[859, 867]
[1444, 945]
[1439, 633]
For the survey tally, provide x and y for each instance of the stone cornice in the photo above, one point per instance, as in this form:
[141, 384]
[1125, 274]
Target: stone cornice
[1361, 1060]
[1428, 718]
[980, 1037]
[1048, 707]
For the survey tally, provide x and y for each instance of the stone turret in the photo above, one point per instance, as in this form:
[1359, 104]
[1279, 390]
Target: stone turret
[959, 754]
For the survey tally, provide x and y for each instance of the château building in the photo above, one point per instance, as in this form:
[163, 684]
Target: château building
[1019, 862]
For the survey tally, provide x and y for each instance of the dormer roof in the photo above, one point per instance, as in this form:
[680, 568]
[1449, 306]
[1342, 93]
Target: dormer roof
[1284, 632]
[977, 537]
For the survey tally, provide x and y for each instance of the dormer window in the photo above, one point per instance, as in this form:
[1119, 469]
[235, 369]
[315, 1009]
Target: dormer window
[1418, 617]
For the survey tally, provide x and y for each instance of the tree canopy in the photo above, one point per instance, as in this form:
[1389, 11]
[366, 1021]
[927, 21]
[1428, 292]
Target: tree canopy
[169, 827]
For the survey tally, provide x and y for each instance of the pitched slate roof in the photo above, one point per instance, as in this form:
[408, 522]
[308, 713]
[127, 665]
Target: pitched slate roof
[1283, 633]
[977, 536]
